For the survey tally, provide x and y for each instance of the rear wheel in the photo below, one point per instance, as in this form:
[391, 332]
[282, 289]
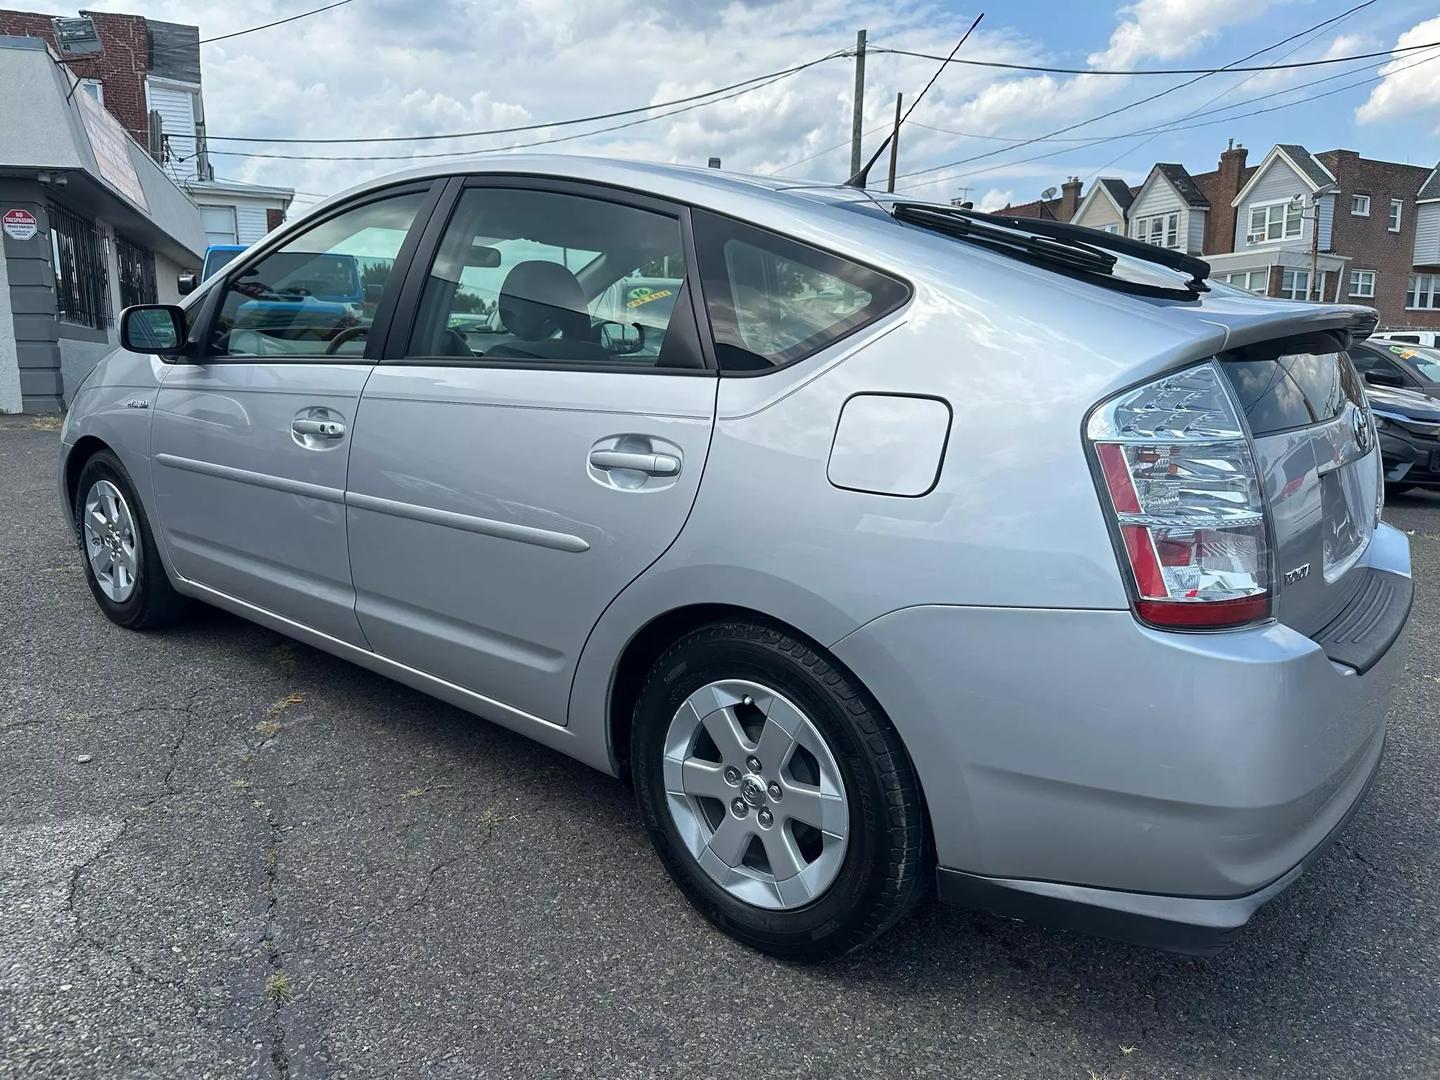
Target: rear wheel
[779, 797]
[121, 565]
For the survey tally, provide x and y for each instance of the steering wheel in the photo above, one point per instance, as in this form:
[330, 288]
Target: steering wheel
[348, 334]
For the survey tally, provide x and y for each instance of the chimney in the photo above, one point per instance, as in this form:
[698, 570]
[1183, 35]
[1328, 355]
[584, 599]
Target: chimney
[1069, 199]
[1230, 178]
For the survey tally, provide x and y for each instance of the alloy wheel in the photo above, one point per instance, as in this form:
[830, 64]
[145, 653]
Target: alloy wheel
[755, 794]
[112, 543]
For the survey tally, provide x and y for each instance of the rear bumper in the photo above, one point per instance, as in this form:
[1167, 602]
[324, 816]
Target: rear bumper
[1076, 758]
[1198, 926]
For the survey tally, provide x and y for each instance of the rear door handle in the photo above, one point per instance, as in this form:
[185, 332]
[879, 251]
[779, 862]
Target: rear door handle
[654, 464]
[320, 429]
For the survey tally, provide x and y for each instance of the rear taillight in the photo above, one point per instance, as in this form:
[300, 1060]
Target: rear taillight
[1179, 476]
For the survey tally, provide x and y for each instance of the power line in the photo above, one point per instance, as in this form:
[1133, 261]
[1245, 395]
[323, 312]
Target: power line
[516, 146]
[1167, 128]
[827, 150]
[248, 30]
[1156, 71]
[277, 22]
[535, 126]
[1141, 101]
[1228, 90]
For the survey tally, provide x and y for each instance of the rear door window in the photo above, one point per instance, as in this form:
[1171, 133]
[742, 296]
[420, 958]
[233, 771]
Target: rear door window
[773, 301]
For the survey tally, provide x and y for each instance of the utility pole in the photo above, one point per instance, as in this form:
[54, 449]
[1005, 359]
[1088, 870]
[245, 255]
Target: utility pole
[1312, 291]
[859, 118]
[894, 145]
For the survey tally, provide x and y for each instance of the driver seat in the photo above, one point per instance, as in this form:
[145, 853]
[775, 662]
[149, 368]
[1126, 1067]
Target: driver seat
[538, 300]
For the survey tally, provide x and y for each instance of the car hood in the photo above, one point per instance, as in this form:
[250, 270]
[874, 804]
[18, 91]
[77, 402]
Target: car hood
[1408, 403]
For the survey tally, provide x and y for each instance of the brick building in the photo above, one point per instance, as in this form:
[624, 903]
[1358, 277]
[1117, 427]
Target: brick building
[1370, 229]
[103, 164]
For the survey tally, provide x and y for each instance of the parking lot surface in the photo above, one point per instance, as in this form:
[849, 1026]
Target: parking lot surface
[223, 854]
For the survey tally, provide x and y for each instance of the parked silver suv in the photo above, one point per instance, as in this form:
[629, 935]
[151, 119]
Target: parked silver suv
[900, 541]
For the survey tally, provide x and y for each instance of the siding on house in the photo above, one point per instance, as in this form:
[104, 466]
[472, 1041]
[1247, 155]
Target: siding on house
[1099, 214]
[1195, 234]
[1427, 234]
[176, 106]
[1282, 182]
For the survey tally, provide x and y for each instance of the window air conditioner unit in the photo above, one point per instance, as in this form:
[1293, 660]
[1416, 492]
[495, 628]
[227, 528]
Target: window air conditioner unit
[1255, 238]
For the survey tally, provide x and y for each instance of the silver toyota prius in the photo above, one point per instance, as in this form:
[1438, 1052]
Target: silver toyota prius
[879, 544]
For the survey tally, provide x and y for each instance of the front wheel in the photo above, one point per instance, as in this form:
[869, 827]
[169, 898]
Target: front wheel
[122, 565]
[778, 795]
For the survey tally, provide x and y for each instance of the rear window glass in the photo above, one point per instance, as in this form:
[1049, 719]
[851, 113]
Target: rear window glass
[773, 301]
[1292, 384]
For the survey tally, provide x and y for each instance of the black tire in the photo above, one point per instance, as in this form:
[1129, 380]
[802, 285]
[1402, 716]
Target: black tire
[153, 603]
[884, 871]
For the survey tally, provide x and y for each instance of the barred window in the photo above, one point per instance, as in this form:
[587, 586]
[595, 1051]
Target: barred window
[137, 273]
[81, 257]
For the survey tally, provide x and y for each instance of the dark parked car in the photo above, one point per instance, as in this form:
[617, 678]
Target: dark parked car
[1403, 384]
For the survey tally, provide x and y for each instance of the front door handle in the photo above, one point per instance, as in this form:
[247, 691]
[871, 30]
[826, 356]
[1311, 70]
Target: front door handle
[319, 429]
[654, 464]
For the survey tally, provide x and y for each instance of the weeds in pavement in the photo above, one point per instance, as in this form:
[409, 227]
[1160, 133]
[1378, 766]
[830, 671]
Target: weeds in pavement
[278, 988]
[490, 818]
[284, 703]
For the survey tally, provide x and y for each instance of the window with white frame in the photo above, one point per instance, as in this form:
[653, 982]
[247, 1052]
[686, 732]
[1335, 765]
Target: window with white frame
[1274, 221]
[95, 88]
[1360, 205]
[1423, 291]
[1295, 285]
[1362, 283]
[1112, 228]
[1255, 281]
[1162, 230]
[1397, 206]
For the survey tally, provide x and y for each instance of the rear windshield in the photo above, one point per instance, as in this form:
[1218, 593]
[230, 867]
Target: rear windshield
[1292, 383]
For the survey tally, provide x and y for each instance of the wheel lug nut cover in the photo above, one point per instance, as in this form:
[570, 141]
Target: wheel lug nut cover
[732, 775]
[773, 791]
[740, 808]
[765, 818]
[753, 764]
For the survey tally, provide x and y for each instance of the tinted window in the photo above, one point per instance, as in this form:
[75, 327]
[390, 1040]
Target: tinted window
[1292, 384]
[773, 301]
[316, 294]
[546, 277]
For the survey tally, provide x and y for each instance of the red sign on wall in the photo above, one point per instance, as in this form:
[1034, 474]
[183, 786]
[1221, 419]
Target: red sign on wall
[19, 224]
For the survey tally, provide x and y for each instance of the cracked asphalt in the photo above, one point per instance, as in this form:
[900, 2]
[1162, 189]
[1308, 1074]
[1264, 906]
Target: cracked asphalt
[223, 854]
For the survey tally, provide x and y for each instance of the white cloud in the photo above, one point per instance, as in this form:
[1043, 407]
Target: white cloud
[994, 199]
[1410, 89]
[1165, 29]
[393, 67]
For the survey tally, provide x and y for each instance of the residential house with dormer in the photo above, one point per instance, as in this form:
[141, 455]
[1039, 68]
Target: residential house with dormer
[1370, 229]
[1106, 207]
[1170, 210]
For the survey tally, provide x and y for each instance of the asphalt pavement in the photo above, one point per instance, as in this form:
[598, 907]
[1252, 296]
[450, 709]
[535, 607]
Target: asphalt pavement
[224, 854]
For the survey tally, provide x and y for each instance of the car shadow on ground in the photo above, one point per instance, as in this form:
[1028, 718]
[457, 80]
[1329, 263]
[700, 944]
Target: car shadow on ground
[1340, 944]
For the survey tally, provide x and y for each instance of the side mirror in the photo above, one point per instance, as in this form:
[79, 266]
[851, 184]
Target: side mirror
[187, 282]
[153, 328]
[622, 339]
[1380, 377]
[373, 293]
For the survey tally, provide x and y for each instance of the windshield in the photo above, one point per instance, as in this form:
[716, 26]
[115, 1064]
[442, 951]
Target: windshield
[1422, 361]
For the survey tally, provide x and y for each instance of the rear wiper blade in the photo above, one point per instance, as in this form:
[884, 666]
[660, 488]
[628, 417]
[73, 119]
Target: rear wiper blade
[1067, 253]
[1071, 238]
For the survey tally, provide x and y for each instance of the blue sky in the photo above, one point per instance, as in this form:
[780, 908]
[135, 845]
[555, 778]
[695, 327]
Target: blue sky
[395, 67]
